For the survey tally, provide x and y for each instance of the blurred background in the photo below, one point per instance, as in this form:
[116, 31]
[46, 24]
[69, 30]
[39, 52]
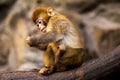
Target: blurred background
[98, 21]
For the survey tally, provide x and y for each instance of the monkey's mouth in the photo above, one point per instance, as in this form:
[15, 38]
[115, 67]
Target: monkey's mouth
[42, 29]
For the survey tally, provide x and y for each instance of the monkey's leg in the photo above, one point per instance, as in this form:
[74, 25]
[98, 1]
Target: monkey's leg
[48, 63]
[59, 53]
[71, 59]
[56, 51]
[49, 59]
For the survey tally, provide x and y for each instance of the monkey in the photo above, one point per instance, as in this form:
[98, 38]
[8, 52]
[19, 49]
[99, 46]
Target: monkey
[58, 38]
[61, 48]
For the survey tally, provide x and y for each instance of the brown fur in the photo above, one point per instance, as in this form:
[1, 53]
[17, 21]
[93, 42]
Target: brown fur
[59, 30]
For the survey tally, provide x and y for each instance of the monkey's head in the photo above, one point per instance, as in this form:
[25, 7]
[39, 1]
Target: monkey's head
[41, 16]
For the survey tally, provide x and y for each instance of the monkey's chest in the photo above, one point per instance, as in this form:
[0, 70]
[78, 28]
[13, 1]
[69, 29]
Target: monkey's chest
[72, 41]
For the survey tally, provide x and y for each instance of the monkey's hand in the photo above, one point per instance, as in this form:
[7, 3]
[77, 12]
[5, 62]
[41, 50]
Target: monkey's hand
[59, 53]
[27, 40]
[32, 41]
[62, 47]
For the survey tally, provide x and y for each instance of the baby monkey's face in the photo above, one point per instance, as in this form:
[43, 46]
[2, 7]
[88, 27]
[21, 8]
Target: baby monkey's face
[41, 24]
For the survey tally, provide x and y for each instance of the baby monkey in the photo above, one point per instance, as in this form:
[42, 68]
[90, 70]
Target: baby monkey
[59, 38]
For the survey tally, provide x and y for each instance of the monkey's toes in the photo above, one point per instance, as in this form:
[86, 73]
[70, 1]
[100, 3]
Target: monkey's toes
[45, 71]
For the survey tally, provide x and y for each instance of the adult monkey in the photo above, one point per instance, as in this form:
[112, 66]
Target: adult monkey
[59, 38]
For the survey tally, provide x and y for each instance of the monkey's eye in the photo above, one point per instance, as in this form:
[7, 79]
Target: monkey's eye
[40, 21]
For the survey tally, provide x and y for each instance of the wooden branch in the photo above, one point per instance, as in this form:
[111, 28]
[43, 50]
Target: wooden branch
[93, 69]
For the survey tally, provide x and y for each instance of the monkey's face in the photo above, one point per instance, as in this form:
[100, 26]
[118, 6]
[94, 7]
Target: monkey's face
[41, 17]
[41, 24]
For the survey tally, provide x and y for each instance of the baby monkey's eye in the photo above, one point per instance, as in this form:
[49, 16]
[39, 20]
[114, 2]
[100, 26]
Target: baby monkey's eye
[40, 22]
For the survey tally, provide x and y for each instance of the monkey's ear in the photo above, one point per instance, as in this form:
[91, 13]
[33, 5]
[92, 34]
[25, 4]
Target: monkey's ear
[50, 11]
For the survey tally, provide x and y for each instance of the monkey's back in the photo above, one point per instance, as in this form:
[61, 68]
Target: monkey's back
[72, 37]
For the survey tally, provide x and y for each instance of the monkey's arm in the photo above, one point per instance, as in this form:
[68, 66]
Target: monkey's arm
[41, 40]
[57, 33]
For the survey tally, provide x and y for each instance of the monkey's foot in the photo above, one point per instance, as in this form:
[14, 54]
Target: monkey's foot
[45, 71]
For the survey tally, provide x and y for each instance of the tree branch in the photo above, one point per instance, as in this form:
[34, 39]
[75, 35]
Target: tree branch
[93, 69]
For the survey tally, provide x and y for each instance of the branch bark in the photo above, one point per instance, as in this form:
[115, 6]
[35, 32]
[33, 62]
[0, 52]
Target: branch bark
[93, 69]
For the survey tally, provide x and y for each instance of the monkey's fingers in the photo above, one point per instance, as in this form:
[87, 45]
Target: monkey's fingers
[27, 39]
[62, 47]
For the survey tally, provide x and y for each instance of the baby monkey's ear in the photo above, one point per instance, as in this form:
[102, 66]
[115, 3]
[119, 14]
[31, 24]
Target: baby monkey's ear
[50, 11]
